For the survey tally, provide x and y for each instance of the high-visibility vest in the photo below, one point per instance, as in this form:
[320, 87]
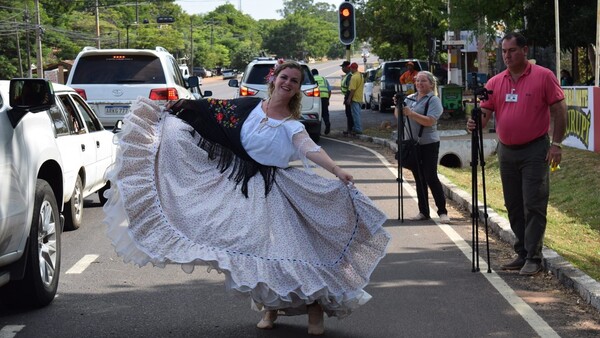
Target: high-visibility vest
[322, 86]
[345, 83]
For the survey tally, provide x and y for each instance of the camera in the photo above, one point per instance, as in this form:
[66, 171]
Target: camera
[400, 97]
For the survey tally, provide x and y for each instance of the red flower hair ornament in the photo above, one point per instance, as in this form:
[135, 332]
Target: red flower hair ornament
[271, 75]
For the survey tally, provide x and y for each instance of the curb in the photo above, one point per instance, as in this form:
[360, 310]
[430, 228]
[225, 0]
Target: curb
[571, 277]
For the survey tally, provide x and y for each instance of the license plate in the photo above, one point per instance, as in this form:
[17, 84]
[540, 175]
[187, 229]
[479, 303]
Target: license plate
[116, 110]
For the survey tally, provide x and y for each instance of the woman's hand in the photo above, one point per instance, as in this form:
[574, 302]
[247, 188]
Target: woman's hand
[406, 111]
[343, 175]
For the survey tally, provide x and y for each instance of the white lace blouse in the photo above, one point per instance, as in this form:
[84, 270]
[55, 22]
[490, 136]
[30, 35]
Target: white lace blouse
[275, 142]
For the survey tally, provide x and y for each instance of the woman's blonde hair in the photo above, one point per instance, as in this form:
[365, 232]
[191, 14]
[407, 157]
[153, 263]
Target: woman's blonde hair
[296, 101]
[432, 79]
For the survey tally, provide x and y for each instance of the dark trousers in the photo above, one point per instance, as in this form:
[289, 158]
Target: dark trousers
[426, 176]
[525, 183]
[349, 119]
[325, 111]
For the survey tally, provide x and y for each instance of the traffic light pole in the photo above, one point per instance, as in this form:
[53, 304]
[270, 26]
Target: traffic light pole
[348, 52]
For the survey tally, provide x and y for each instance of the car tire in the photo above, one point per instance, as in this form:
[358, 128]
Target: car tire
[43, 254]
[74, 208]
[101, 197]
[378, 104]
[372, 104]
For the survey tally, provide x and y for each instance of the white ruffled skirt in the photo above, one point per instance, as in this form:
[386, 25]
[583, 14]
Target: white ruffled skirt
[310, 239]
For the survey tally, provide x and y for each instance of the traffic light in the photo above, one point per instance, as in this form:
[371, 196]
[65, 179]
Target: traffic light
[346, 23]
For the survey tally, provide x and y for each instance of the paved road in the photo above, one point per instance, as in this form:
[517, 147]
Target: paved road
[424, 287]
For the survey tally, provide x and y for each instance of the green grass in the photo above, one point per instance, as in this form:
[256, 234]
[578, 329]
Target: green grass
[573, 228]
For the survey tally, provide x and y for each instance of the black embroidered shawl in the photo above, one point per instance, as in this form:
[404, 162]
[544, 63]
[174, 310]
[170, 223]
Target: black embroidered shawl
[219, 122]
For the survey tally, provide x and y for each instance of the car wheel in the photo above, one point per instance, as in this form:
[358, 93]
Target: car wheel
[39, 286]
[101, 197]
[372, 105]
[378, 104]
[74, 208]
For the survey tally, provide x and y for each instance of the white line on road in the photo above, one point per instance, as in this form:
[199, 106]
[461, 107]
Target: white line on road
[80, 266]
[9, 331]
[535, 321]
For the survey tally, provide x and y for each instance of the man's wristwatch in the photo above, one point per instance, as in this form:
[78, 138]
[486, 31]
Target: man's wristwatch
[554, 143]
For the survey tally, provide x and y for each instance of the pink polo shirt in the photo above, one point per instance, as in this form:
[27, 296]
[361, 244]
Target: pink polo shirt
[523, 108]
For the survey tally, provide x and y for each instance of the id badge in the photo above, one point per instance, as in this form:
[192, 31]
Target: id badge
[512, 97]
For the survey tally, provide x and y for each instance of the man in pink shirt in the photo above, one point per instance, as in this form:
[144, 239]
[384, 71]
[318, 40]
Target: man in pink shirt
[524, 99]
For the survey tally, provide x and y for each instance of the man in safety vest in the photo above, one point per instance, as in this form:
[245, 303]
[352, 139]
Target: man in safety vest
[345, 91]
[325, 90]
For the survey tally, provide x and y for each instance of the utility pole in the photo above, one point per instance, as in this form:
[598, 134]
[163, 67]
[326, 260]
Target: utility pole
[26, 17]
[19, 51]
[38, 41]
[191, 43]
[97, 26]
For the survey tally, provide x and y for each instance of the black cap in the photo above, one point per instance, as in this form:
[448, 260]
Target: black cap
[345, 64]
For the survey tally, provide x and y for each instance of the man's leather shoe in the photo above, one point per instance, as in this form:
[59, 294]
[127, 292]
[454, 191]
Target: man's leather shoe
[531, 268]
[517, 264]
[327, 130]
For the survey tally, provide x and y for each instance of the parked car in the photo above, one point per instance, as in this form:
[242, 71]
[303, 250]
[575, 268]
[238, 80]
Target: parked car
[254, 83]
[228, 74]
[185, 71]
[201, 72]
[387, 81]
[110, 80]
[53, 153]
[369, 76]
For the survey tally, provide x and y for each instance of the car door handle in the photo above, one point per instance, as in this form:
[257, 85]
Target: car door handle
[83, 147]
[97, 144]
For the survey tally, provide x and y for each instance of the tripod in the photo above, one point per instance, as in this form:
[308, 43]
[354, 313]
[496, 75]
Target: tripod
[477, 158]
[400, 136]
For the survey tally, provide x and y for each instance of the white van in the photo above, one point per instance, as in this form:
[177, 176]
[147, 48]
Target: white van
[110, 80]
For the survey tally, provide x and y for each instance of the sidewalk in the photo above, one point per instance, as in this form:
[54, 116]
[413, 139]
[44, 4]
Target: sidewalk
[565, 272]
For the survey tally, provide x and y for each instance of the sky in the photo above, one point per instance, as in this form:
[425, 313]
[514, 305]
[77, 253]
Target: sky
[257, 9]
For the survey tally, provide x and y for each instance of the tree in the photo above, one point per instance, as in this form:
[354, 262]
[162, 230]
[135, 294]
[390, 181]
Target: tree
[400, 28]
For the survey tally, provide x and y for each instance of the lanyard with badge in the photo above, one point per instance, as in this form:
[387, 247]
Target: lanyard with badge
[512, 97]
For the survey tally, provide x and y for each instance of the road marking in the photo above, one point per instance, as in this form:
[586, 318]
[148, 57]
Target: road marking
[80, 266]
[9, 331]
[536, 322]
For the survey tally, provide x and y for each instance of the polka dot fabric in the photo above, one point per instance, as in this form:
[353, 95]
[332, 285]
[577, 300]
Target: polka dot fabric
[310, 239]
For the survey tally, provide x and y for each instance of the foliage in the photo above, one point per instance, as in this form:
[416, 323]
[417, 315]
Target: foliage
[401, 28]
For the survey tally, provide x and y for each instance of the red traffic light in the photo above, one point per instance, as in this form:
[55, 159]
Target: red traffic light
[346, 23]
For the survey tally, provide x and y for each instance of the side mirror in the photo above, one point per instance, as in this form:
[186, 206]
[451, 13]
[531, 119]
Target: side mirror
[193, 81]
[234, 83]
[29, 96]
[118, 126]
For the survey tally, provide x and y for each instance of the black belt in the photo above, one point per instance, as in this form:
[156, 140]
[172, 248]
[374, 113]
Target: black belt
[525, 145]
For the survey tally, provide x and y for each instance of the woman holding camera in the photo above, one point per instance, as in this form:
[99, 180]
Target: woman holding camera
[421, 112]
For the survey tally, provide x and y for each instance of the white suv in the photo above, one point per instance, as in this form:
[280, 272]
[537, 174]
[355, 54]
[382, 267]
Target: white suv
[53, 153]
[110, 80]
[253, 83]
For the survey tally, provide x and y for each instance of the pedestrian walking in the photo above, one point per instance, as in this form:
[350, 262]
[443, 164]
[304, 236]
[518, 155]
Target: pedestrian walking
[525, 98]
[208, 182]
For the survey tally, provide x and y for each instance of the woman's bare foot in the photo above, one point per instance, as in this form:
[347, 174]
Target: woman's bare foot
[267, 320]
[316, 322]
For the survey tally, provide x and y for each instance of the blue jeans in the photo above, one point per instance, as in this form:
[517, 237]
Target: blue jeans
[356, 116]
